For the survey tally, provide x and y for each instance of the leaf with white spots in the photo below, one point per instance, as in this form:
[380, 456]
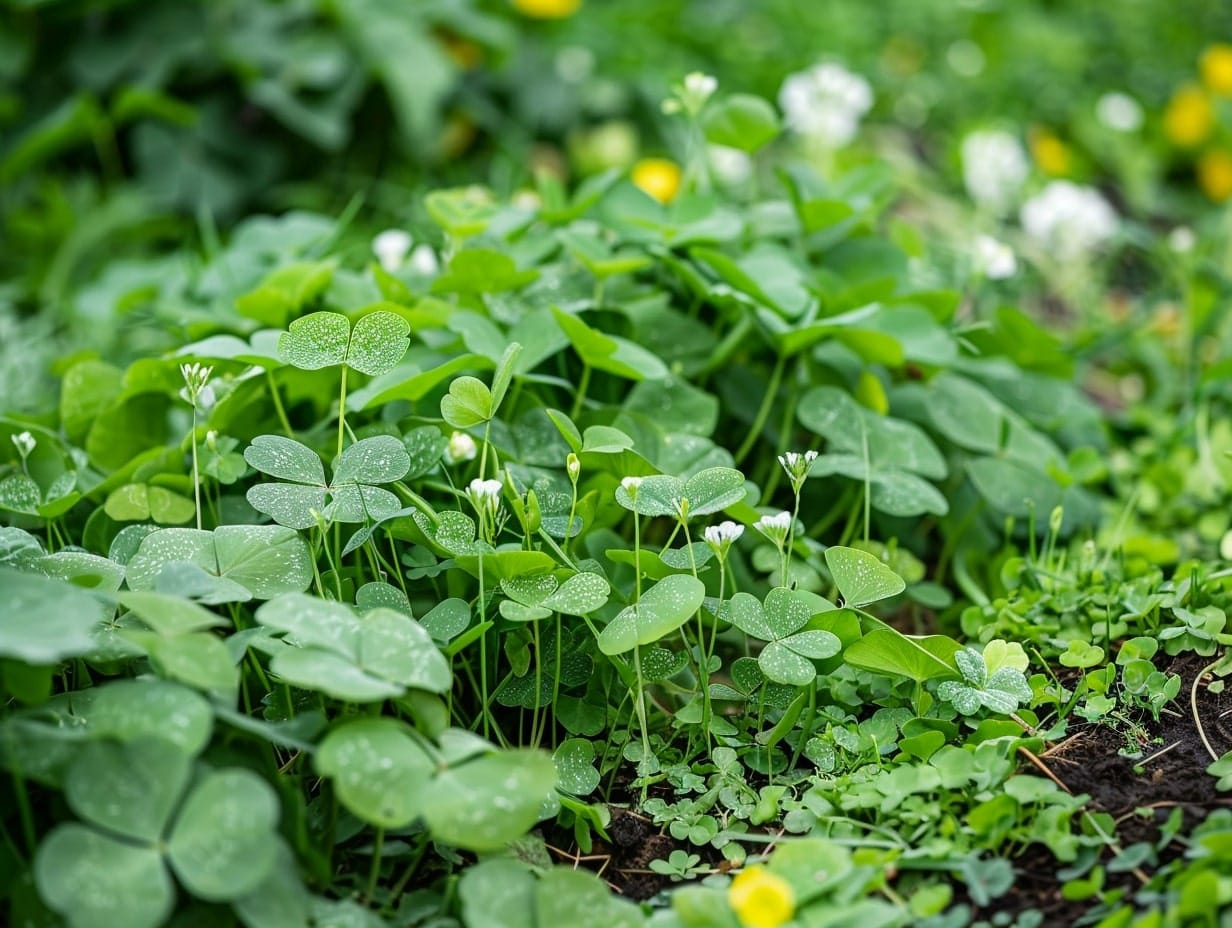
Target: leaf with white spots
[315, 341]
[18, 493]
[485, 803]
[130, 789]
[497, 893]
[357, 502]
[379, 595]
[783, 665]
[662, 664]
[861, 577]
[425, 446]
[663, 608]
[285, 459]
[575, 767]
[379, 459]
[311, 621]
[43, 620]
[266, 560]
[655, 496]
[83, 569]
[331, 674]
[96, 881]
[379, 770]
[224, 843]
[397, 648]
[581, 594]
[289, 504]
[455, 531]
[170, 546]
[130, 709]
[446, 620]
[529, 590]
[198, 659]
[713, 489]
[378, 343]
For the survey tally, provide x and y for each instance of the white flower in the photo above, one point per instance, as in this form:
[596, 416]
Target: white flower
[993, 259]
[797, 467]
[197, 390]
[631, 484]
[423, 260]
[528, 200]
[573, 466]
[25, 443]
[724, 533]
[461, 447]
[1119, 112]
[700, 86]
[485, 489]
[1065, 217]
[994, 167]
[390, 248]
[574, 64]
[731, 166]
[1182, 239]
[774, 527]
[825, 103]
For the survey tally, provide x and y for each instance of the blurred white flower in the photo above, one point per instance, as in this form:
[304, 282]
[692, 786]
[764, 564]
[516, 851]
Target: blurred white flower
[423, 260]
[197, 389]
[700, 86]
[390, 248]
[1067, 217]
[574, 64]
[461, 447]
[1182, 239]
[25, 443]
[1119, 112]
[993, 259]
[825, 103]
[731, 166]
[994, 167]
[631, 484]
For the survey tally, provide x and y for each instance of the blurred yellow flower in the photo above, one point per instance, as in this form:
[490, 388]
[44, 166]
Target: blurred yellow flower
[1189, 117]
[761, 899]
[658, 177]
[1215, 174]
[1051, 154]
[547, 9]
[1216, 67]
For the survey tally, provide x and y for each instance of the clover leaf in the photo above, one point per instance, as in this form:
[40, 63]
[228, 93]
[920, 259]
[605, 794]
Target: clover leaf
[352, 495]
[708, 491]
[1001, 691]
[324, 339]
[534, 598]
[789, 653]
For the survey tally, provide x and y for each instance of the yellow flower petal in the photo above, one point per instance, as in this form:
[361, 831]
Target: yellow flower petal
[1050, 153]
[761, 899]
[1215, 175]
[658, 177]
[547, 9]
[1189, 117]
[1216, 68]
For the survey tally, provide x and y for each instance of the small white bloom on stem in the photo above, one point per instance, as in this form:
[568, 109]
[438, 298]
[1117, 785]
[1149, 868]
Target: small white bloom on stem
[25, 443]
[461, 447]
[630, 485]
[197, 392]
[797, 466]
[423, 260]
[573, 467]
[390, 248]
[1119, 112]
[1182, 239]
[775, 527]
[721, 537]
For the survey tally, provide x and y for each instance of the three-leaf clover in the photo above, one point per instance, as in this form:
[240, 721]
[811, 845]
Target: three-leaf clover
[534, 598]
[789, 653]
[352, 494]
[1001, 691]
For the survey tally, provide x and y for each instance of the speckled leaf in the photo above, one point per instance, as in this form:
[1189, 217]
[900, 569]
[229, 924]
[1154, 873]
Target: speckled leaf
[128, 709]
[899, 493]
[425, 446]
[379, 770]
[713, 489]
[783, 665]
[101, 882]
[455, 532]
[397, 648]
[285, 459]
[662, 664]
[357, 502]
[816, 644]
[311, 621]
[747, 614]
[379, 595]
[379, 459]
[266, 560]
[83, 569]
[446, 620]
[785, 611]
[655, 497]
[861, 578]
[529, 590]
[18, 493]
[224, 844]
[170, 546]
[468, 403]
[44, 620]
[663, 608]
[484, 804]
[315, 341]
[130, 789]
[575, 767]
[516, 612]
[288, 504]
[378, 343]
[581, 594]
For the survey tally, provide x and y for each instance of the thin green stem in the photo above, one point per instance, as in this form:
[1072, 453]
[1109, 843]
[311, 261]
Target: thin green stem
[763, 411]
[375, 870]
[342, 395]
[579, 398]
[196, 467]
[278, 407]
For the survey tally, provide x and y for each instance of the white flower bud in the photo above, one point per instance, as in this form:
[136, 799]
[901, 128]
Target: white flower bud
[461, 447]
[390, 248]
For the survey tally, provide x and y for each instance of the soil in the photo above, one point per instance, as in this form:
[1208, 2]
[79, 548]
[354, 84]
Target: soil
[1173, 776]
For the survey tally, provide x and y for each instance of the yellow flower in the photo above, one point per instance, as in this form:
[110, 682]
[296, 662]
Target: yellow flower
[1216, 66]
[1215, 174]
[1050, 153]
[547, 9]
[761, 899]
[658, 177]
[1189, 116]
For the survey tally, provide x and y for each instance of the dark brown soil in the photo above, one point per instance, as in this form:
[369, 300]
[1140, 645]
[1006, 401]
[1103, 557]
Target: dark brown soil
[1140, 793]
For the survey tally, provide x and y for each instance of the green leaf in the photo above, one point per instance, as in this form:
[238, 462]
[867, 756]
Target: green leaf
[285, 459]
[100, 882]
[468, 403]
[395, 647]
[497, 893]
[575, 767]
[199, 659]
[315, 341]
[331, 674]
[581, 594]
[131, 709]
[170, 615]
[608, 352]
[266, 560]
[741, 121]
[224, 843]
[377, 343]
[885, 650]
[580, 899]
[138, 502]
[662, 609]
[485, 803]
[505, 369]
[379, 770]
[130, 789]
[861, 577]
[45, 620]
[380, 459]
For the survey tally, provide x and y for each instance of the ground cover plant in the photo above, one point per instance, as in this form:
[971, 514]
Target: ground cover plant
[658, 548]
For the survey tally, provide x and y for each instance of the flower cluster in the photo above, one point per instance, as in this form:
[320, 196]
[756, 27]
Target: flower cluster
[1068, 218]
[825, 103]
[691, 95]
[797, 467]
[393, 246]
[1192, 123]
[994, 168]
[197, 391]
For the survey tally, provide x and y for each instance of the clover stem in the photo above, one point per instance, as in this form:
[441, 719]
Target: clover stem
[556, 680]
[580, 396]
[278, 407]
[763, 411]
[807, 731]
[535, 734]
[342, 393]
[640, 707]
[483, 653]
[196, 467]
[703, 662]
[375, 870]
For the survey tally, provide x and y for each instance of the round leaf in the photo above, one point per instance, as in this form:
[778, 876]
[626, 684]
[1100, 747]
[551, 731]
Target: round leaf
[581, 594]
[379, 770]
[741, 121]
[663, 608]
[486, 803]
[315, 341]
[468, 403]
[45, 620]
[861, 577]
[130, 789]
[397, 648]
[380, 459]
[575, 767]
[129, 709]
[285, 459]
[266, 560]
[331, 674]
[378, 343]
